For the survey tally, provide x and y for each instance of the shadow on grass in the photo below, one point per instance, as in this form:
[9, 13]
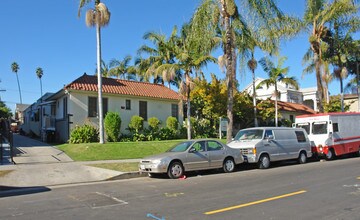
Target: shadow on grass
[7, 191]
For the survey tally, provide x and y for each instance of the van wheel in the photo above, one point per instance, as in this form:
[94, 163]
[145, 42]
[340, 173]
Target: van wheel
[229, 165]
[302, 158]
[264, 162]
[330, 155]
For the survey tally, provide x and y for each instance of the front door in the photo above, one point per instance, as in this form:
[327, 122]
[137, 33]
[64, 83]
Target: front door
[216, 154]
[197, 157]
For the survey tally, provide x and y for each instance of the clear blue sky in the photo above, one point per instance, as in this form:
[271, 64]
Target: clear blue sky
[48, 34]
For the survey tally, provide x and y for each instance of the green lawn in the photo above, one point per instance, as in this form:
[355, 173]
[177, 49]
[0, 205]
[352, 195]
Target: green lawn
[115, 151]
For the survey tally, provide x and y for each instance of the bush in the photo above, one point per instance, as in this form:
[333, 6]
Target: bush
[112, 124]
[172, 123]
[154, 123]
[136, 123]
[84, 134]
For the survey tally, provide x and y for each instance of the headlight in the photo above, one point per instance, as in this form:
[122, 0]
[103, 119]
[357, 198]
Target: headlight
[156, 161]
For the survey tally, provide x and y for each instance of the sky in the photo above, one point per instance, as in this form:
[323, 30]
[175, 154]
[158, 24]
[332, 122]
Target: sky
[50, 35]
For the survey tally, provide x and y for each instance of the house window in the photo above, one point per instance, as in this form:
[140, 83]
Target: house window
[292, 118]
[128, 104]
[93, 107]
[143, 110]
[65, 104]
[175, 111]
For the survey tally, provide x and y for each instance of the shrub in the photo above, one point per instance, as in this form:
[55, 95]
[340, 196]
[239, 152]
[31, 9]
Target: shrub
[172, 123]
[84, 134]
[136, 123]
[112, 124]
[154, 123]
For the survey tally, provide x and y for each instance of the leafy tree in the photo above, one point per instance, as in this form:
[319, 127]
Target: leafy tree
[122, 69]
[276, 74]
[39, 74]
[112, 124]
[335, 105]
[5, 112]
[98, 17]
[136, 123]
[15, 68]
[154, 123]
[172, 123]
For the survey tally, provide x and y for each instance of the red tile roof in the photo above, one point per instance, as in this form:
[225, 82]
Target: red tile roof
[295, 107]
[123, 87]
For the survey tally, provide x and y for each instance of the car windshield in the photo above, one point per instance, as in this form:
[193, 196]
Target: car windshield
[181, 147]
[249, 134]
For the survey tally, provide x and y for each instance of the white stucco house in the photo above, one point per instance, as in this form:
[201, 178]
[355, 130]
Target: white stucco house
[288, 93]
[76, 103]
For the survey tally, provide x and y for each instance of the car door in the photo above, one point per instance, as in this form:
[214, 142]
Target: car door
[217, 154]
[197, 157]
[270, 145]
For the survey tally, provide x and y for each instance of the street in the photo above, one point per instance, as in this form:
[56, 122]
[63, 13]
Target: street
[316, 190]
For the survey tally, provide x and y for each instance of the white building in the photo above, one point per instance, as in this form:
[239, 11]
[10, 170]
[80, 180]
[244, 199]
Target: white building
[288, 93]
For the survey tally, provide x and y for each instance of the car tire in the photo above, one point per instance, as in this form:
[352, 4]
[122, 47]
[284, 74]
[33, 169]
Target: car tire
[228, 165]
[153, 175]
[302, 158]
[175, 170]
[264, 162]
[330, 155]
[358, 152]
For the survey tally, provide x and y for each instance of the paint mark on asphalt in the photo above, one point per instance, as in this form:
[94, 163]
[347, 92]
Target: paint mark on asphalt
[154, 217]
[173, 194]
[254, 203]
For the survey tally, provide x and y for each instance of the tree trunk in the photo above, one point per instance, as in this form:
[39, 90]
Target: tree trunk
[342, 93]
[228, 52]
[320, 89]
[187, 83]
[41, 88]
[276, 106]
[99, 77]
[254, 93]
[17, 78]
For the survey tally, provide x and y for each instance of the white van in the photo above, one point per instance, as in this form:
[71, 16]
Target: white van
[264, 145]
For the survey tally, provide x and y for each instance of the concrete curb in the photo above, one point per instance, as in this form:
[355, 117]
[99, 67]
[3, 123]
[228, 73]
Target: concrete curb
[128, 175]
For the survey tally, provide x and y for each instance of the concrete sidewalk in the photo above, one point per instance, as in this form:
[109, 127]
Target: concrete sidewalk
[40, 164]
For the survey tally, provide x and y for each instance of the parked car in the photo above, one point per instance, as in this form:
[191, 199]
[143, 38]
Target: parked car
[190, 156]
[263, 145]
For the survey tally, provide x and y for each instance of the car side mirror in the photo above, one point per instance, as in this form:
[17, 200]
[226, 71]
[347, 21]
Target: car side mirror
[192, 150]
[269, 138]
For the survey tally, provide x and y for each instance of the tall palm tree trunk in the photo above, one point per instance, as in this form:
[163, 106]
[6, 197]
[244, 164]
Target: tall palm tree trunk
[41, 92]
[99, 77]
[319, 84]
[254, 92]
[276, 106]
[187, 83]
[342, 94]
[17, 78]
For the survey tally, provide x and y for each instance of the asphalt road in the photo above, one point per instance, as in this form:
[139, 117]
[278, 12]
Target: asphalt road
[317, 190]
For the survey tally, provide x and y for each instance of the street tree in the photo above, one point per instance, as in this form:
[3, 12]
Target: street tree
[15, 68]
[39, 74]
[97, 17]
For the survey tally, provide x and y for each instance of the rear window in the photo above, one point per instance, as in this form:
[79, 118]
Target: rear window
[306, 126]
[300, 136]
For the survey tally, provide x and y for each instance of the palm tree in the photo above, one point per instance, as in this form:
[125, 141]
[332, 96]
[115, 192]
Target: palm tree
[98, 17]
[162, 53]
[39, 74]
[15, 68]
[214, 16]
[122, 69]
[318, 14]
[189, 61]
[276, 74]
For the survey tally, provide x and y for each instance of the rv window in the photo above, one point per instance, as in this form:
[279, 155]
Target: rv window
[335, 127]
[306, 126]
[300, 136]
[319, 127]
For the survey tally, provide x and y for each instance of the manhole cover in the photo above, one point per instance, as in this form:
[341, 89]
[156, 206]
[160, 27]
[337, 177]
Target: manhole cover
[99, 200]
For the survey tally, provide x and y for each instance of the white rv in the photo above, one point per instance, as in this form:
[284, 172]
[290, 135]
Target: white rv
[332, 134]
[263, 145]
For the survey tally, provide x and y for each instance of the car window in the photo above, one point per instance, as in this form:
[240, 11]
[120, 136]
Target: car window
[300, 136]
[181, 147]
[199, 146]
[268, 133]
[213, 145]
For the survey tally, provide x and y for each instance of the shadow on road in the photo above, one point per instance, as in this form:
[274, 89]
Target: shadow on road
[7, 191]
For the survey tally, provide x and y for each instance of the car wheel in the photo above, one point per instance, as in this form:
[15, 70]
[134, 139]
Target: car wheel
[330, 155]
[358, 152]
[264, 162]
[302, 158]
[176, 170]
[228, 165]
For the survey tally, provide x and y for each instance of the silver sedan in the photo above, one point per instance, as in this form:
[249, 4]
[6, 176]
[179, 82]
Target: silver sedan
[192, 155]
